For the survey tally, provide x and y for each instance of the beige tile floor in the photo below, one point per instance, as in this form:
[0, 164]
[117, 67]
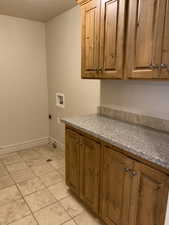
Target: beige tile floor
[33, 191]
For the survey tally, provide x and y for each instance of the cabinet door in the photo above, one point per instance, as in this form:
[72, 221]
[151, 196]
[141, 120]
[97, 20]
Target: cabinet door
[112, 38]
[90, 171]
[144, 38]
[116, 187]
[165, 55]
[73, 160]
[90, 13]
[149, 196]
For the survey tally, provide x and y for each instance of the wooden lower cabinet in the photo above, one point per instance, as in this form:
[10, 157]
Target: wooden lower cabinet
[121, 190]
[149, 195]
[83, 168]
[116, 187]
[73, 160]
[90, 172]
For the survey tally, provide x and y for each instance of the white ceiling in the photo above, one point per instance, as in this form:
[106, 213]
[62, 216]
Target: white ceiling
[42, 10]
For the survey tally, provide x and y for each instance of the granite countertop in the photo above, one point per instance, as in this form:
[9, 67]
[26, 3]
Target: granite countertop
[146, 143]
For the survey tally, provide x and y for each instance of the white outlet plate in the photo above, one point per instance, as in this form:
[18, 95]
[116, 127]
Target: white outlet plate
[60, 100]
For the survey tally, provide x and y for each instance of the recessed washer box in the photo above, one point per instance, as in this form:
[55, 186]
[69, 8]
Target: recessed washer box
[60, 100]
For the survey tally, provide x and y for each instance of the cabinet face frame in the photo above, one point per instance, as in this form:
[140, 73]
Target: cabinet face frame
[136, 23]
[90, 17]
[112, 31]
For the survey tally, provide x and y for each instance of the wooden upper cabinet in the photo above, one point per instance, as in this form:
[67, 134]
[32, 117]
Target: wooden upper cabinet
[144, 39]
[103, 38]
[73, 160]
[116, 187]
[90, 152]
[165, 48]
[149, 196]
[112, 38]
[90, 14]
[125, 39]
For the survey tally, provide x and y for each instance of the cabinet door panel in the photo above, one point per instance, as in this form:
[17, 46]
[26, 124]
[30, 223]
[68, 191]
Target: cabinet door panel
[165, 56]
[90, 38]
[73, 160]
[144, 38]
[112, 38]
[116, 186]
[90, 172]
[149, 196]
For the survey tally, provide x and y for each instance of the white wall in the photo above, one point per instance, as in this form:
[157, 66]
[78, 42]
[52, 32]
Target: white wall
[64, 66]
[23, 81]
[146, 97]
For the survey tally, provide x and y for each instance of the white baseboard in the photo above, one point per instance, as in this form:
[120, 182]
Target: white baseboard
[59, 144]
[24, 145]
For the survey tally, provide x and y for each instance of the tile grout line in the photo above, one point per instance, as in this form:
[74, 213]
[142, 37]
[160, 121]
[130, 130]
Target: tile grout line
[68, 211]
[68, 221]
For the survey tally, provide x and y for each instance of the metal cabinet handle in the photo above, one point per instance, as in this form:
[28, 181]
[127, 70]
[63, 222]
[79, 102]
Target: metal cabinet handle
[127, 170]
[164, 66]
[101, 69]
[133, 173]
[130, 171]
[154, 66]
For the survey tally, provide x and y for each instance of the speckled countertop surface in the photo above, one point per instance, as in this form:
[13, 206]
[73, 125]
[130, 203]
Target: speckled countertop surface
[146, 143]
